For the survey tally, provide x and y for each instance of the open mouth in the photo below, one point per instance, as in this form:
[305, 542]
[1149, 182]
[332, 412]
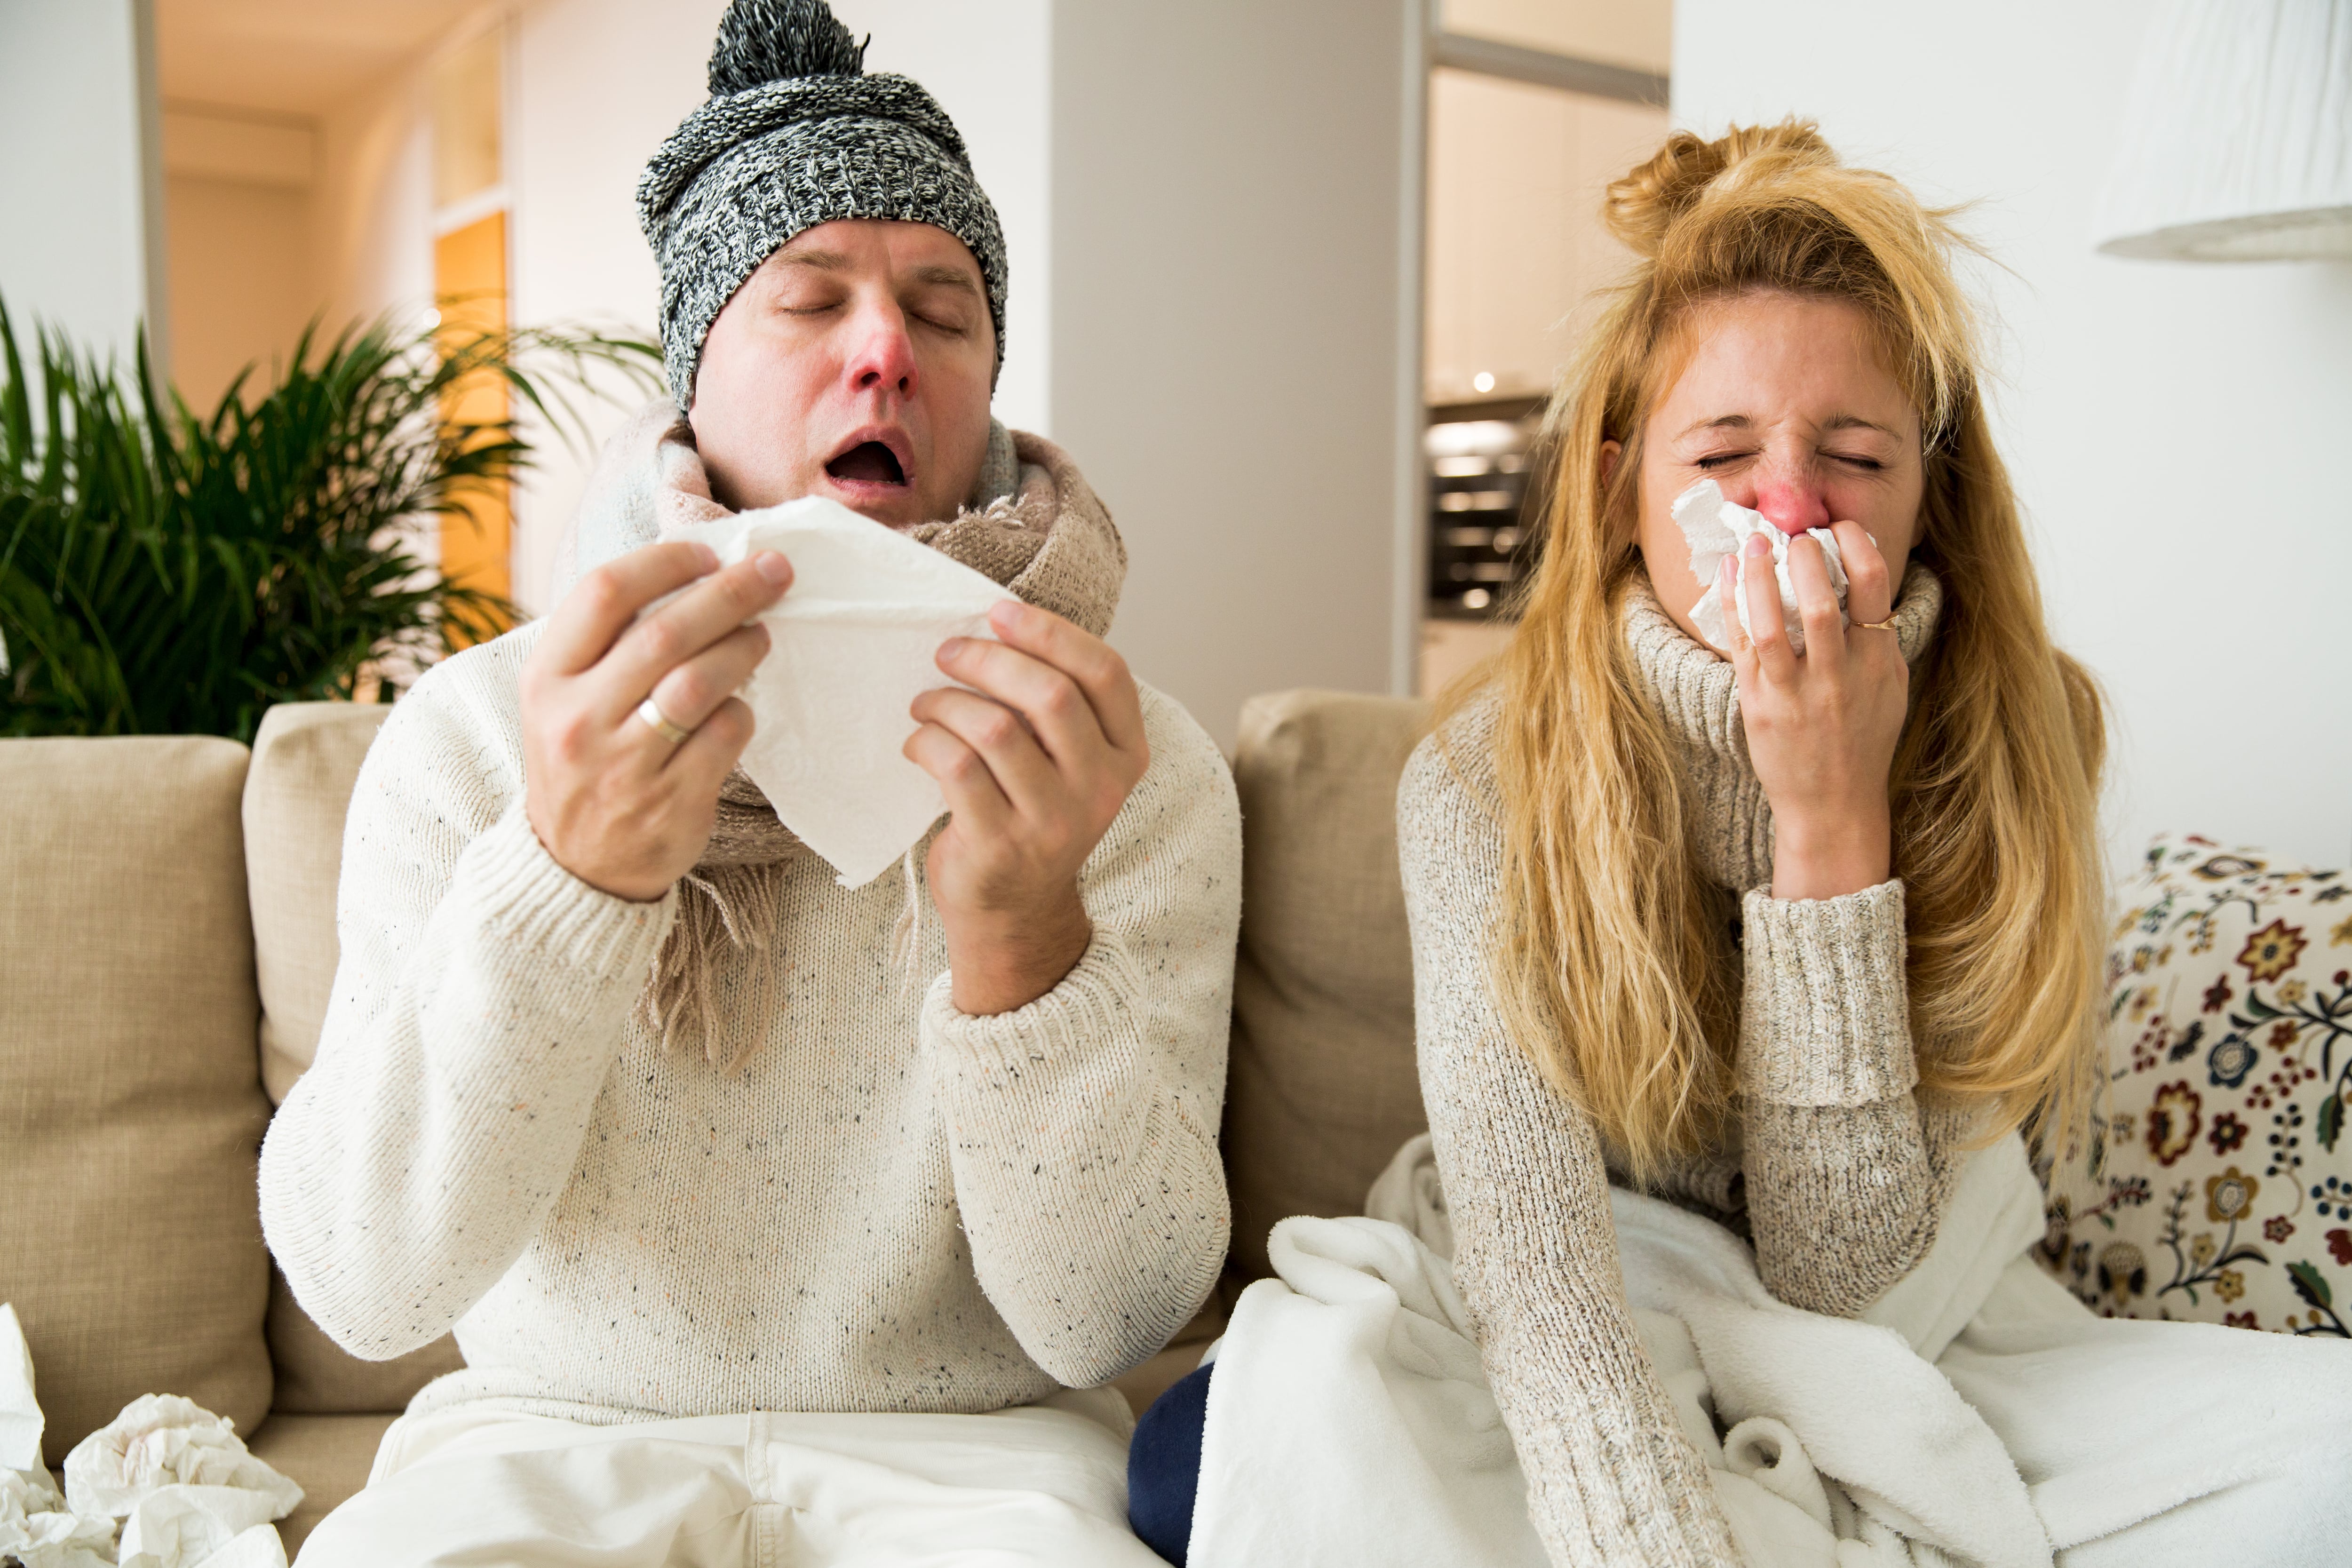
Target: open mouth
[867, 463]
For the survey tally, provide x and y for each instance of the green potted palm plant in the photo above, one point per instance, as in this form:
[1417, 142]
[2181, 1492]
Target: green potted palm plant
[163, 570]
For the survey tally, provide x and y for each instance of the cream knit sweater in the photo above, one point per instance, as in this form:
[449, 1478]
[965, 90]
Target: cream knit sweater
[1838, 1173]
[894, 1207]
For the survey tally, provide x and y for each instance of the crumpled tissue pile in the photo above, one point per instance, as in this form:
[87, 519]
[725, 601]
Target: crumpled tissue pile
[187, 1491]
[852, 643]
[1717, 528]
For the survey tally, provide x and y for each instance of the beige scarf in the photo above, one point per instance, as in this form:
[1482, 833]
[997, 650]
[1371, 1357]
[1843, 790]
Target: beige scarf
[1032, 525]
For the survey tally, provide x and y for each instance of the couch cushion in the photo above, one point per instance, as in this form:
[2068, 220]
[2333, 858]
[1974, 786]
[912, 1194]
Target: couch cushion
[305, 758]
[130, 1106]
[1322, 1086]
[2226, 1192]
[316, 1376]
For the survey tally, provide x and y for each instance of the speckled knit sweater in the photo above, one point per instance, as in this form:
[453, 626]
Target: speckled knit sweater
[1837, 1172]
[894, 1208]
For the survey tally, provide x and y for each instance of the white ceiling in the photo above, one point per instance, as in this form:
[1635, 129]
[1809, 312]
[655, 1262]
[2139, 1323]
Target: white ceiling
[297, 58]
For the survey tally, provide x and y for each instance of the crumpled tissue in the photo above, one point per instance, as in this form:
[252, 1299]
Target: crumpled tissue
[215, 1527]
[1717, 528]
[193, 1495]
[21, 1420]
[853, 640]
[39, 1530]
[36, 1528]
[162, 1440]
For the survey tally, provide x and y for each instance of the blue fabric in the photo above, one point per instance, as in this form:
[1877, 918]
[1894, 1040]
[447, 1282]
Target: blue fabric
[1163, 1466]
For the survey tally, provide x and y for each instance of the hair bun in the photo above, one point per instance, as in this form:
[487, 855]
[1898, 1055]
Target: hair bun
[1642, 204]
[761, 41]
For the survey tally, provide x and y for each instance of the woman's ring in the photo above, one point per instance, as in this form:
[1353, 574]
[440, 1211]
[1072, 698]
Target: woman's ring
[650, 711]
[1885, 626]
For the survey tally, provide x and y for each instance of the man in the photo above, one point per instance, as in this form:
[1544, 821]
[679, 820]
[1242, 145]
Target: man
[622, 1085]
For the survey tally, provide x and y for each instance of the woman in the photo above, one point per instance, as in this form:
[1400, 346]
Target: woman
[1782, 937]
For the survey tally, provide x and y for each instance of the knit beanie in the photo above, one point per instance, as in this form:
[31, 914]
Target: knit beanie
[795, 134]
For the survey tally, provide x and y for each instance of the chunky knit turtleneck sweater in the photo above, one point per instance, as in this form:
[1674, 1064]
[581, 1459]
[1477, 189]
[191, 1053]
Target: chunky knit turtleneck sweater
[1835, 1168]
[894, 1206]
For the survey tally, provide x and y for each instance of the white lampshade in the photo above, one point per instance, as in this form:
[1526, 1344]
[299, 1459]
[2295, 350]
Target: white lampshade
[2237, 142]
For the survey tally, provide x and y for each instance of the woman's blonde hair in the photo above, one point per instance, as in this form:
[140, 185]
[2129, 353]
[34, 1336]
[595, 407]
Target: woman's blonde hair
[1606, 957]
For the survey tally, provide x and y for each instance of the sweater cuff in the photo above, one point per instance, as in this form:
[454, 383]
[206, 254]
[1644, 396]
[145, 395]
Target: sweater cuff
[1825, 1017]
[1087, 1008]
[519, 891]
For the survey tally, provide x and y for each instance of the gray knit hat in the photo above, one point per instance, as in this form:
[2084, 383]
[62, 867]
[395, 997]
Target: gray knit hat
[796, 134]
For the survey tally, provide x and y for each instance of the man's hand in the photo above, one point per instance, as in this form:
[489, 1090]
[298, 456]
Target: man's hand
[1822, 728]
[1035, 761]
[618, 805]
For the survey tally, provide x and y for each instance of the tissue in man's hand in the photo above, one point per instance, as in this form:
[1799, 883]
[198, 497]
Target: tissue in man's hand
[1717, 528]
[855, 639]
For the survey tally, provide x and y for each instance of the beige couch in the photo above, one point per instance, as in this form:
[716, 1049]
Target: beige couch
[168, 905]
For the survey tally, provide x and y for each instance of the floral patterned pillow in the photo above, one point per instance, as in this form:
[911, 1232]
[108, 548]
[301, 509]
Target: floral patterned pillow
[2216, 1182]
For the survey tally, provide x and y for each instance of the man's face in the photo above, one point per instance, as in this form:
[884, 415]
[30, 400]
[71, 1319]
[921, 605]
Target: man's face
[855, 364]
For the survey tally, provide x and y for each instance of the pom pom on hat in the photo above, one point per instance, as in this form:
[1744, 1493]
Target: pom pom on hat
[761, 41]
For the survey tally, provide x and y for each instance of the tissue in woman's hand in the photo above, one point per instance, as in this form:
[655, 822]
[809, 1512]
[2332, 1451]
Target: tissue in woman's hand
[855, 639]
[1717, 528]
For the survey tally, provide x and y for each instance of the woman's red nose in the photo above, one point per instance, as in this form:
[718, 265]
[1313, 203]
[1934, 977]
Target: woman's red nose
[1792, 508]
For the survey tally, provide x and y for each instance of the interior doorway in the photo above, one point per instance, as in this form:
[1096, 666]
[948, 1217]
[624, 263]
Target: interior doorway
[1534, 107]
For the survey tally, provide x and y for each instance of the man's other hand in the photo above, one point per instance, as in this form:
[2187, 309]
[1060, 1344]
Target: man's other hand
[1035, 761]
[618, 804]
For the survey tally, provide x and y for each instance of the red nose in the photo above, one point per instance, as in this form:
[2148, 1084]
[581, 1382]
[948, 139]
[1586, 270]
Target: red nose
[1792, 508]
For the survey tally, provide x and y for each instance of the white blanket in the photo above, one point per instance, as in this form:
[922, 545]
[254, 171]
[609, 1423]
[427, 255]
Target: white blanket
[1350, 1421]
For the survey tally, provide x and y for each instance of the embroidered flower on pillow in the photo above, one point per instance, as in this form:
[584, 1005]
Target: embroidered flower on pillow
[2190, 1199]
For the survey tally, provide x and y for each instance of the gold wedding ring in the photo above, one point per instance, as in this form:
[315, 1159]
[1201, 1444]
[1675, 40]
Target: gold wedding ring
[658, 722]
[1885, 626]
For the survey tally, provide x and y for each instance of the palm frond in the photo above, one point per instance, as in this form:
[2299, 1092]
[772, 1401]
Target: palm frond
[163, 570]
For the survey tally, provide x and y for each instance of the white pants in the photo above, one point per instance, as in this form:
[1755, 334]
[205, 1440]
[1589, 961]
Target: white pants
[1043, 1484]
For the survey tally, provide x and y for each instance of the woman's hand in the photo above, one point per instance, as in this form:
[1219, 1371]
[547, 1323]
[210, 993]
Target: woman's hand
[1035, 762]
[1822, 727]
[617, 804]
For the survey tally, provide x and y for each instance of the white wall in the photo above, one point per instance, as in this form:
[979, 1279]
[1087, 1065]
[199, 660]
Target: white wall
[240, 282]
[237, 197]
[80, 170]
[372, 214]
[2176, 431]
[595, 85]
[1236, 332]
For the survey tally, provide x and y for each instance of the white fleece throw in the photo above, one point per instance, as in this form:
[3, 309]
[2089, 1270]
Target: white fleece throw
[1977, 1415]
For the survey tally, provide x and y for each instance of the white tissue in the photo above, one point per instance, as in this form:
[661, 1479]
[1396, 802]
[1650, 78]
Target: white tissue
[195, 1497]
[1717, 528]
[38, 1530]
[202, 1526]
[20, 1412]
[855, 639]
[161, 1440]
